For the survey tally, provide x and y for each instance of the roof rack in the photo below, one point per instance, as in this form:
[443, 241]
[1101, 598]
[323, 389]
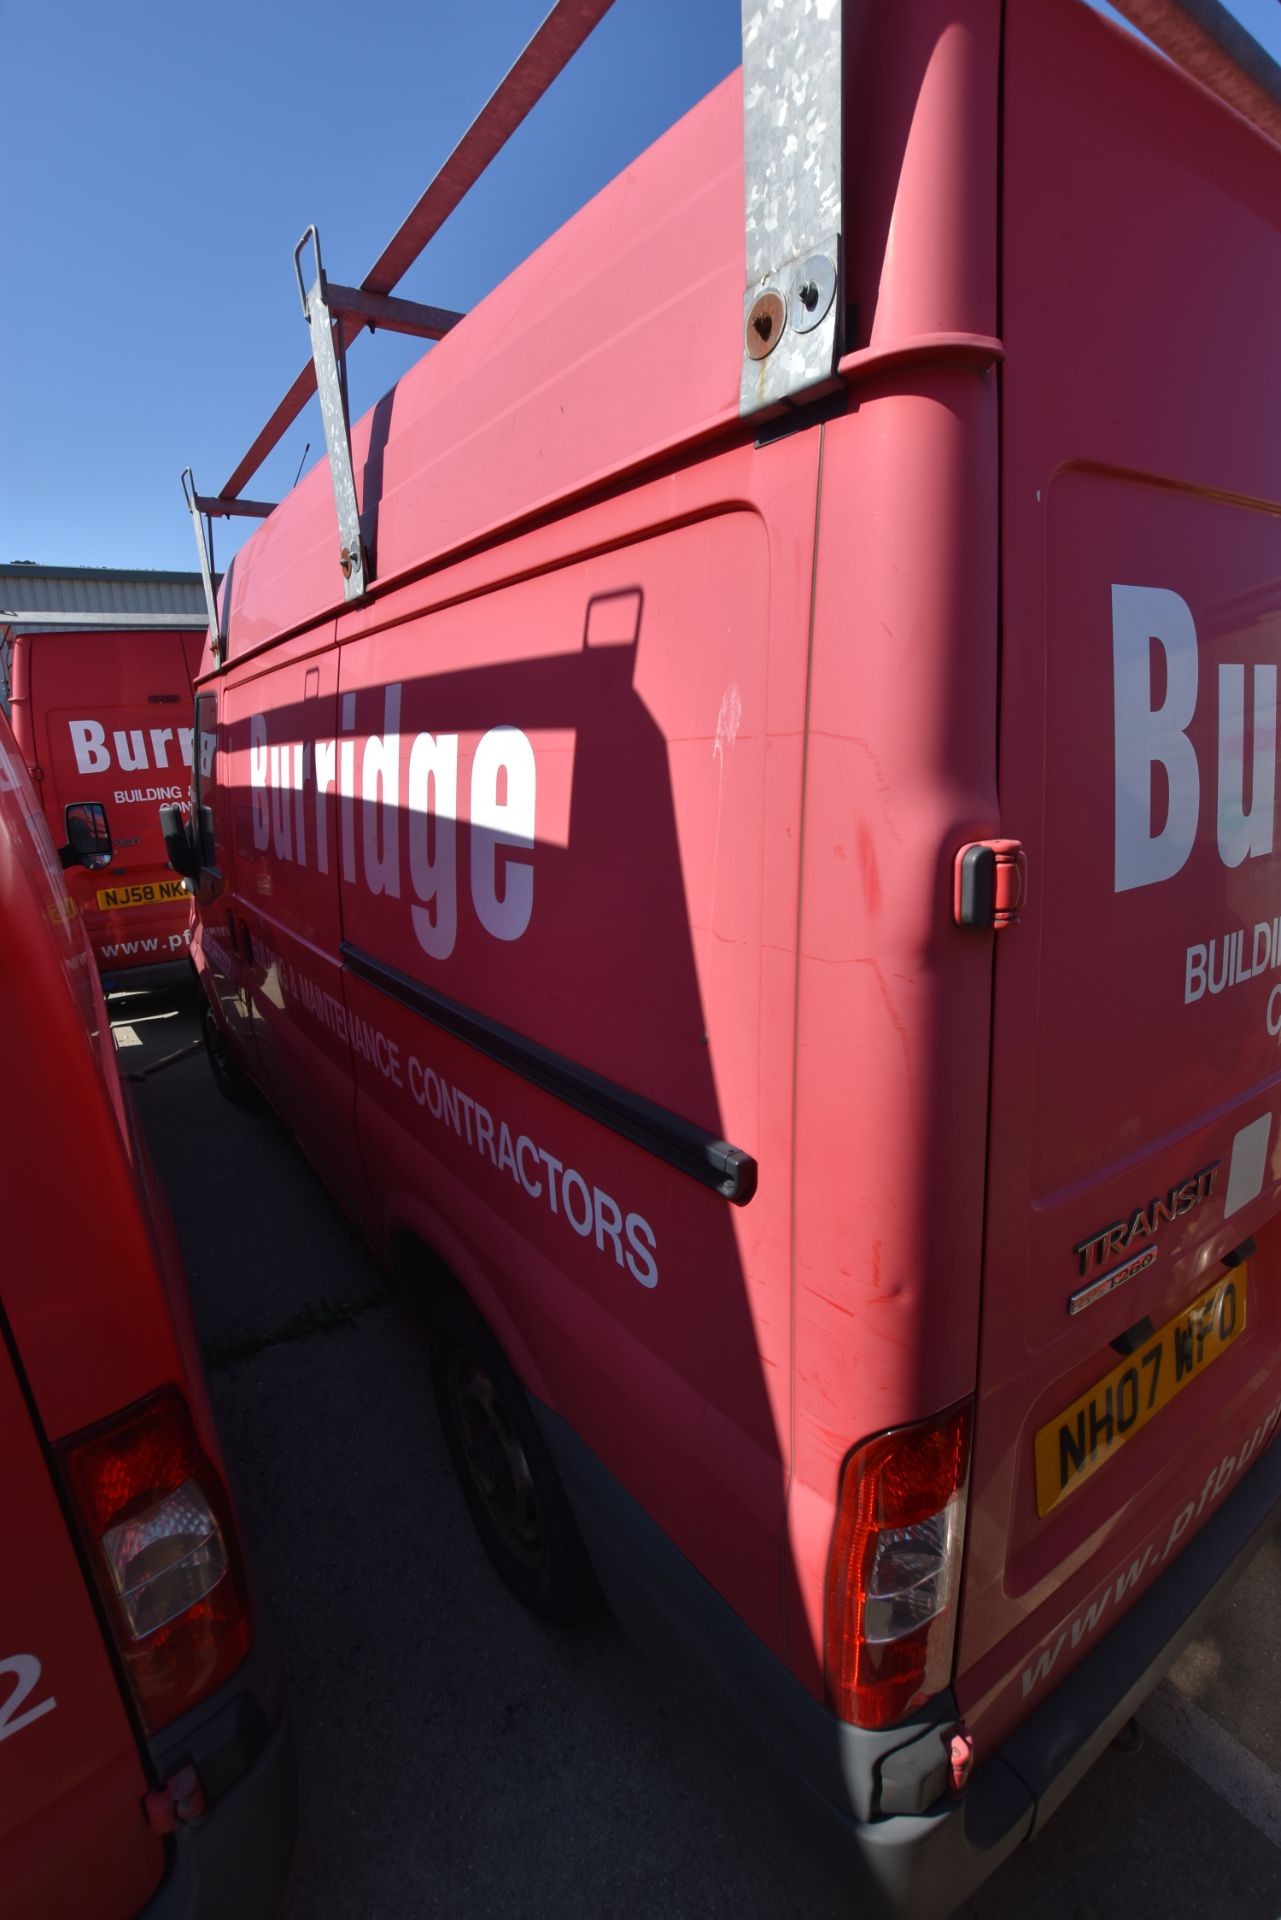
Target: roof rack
[792, 75]
[793, 305]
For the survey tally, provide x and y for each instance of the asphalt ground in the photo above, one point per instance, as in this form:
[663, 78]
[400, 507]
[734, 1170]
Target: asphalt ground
[459, 1758]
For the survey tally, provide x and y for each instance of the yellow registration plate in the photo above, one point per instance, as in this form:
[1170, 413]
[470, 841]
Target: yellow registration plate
[143, 893]
[1093, 1428]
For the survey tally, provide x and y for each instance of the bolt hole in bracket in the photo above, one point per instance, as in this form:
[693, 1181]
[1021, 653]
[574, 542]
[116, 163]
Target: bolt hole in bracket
[801, 300]
[792, 216]
[790, 342]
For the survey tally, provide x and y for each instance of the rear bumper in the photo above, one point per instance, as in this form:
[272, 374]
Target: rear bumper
[928, 1864]
[921, 1865]
[236, 1860]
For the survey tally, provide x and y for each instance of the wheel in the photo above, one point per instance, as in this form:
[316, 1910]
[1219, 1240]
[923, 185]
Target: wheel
[232, 1083]
[507, 1476]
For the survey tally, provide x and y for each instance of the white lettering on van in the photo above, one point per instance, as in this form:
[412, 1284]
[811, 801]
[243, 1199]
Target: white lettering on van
[325, 761]
[1243, 834]
[89, 742]
[258, 780]
[24, 1670]
[502, 815]
[583, 1210]
[1227, 960]
[131, 751]
[501, 819]
[1043, 1666]
[380, 792]
[640, 1238]
[302, 759]
[281, 812]
[432, 803]
[128, 749]
[1148, 737]
[143, 796]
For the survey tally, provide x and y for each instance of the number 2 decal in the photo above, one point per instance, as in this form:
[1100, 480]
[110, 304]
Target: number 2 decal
[25, 1669]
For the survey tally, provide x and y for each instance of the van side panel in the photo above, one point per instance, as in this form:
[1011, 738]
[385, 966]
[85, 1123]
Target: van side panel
[1136, 1081]
[577, 821]
[291, 839]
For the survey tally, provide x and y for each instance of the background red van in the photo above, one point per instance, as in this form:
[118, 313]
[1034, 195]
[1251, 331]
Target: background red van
[145, 1752]
[106, 716]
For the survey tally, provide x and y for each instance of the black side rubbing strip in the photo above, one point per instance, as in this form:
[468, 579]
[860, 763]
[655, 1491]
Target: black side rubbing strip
[726, 1170]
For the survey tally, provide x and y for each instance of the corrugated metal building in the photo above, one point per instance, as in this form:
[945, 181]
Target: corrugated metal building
[33, 596]
[57, 599]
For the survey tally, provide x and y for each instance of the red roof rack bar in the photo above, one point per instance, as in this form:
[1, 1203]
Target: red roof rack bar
[1199, 36]
[551, 48]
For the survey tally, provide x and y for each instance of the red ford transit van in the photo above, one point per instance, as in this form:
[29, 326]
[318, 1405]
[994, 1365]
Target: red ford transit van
[750, 867]
[145, 1755]
[106, 717]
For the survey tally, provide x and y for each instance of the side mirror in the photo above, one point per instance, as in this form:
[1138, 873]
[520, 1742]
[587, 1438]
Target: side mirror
[179, 852]
[88, 835]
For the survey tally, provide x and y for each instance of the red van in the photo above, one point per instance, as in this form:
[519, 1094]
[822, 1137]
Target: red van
[751, 869]
[106, 717]
[145, 1755]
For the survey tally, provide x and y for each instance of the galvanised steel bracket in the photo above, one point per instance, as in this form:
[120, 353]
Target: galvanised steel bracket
[331, 384]
[204, 547]
[792, 152]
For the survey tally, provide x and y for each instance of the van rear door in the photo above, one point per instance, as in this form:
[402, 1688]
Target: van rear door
[73, 1836]
[1132, 1290]
[113, 719]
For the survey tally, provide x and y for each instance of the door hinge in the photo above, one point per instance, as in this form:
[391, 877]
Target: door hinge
[179, 1803]
[990, 884]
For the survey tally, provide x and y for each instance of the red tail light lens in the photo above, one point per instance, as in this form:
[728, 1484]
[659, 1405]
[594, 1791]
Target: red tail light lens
[895, 1570]
[157, 1522]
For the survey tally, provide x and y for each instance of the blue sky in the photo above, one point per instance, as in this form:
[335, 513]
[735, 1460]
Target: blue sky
[160, 162]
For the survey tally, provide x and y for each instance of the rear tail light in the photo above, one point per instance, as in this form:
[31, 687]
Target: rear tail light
[157, 1522]
[895, 1570]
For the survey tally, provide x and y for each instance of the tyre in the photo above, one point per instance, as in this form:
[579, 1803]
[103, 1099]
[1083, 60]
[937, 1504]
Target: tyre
[232, 1082]
[507, 1475]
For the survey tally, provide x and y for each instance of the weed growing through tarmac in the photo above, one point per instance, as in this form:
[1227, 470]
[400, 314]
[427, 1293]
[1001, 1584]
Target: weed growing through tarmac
[326, 1316]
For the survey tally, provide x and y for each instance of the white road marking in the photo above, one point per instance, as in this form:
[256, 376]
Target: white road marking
[125, 1036]
[1201, 1744]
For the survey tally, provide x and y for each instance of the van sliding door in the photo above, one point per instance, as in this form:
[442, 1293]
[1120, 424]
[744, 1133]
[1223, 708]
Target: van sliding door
[288, 838]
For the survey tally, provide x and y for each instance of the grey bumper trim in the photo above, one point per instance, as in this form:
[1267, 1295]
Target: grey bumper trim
[236, 1860]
